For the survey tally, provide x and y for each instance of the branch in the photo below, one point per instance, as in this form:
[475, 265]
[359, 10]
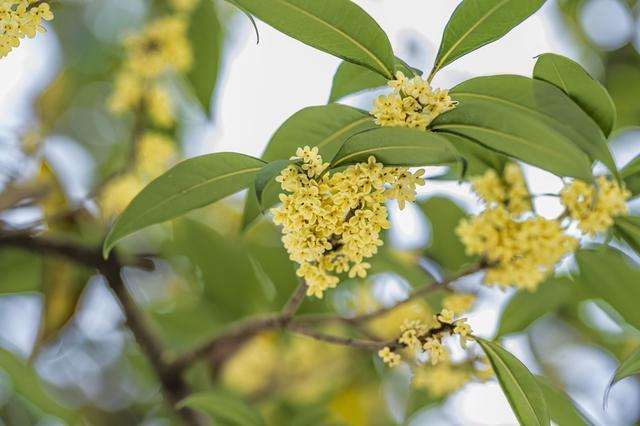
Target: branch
[294, 302]
[372, 345]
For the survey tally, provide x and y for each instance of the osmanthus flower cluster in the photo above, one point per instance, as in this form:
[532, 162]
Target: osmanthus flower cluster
[20, 19]
[413, 103]
[520, 247]
[160, 50]
[332, 221]
[155, 152]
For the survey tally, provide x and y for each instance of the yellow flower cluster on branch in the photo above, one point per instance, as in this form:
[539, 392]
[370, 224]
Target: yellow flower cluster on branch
[521, 250]
[332, 221]
[161, 49]
[595, 206]
[413, 103]
[20, 19]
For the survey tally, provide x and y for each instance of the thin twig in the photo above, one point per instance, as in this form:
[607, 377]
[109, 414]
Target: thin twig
[372, 345]
[294, 302]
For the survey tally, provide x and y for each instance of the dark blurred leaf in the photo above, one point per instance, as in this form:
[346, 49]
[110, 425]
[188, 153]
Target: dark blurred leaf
[189, 185]
[476, 23]
[338, 27]
[613, 277]
[628, 227]
[444, 216]
[205, 37]
[312, 416]
[571, 78]
[21, 271]
[223, 407]
[561, 408]
[518, 384]
[527, 307]
[26, 382]
[631, 175]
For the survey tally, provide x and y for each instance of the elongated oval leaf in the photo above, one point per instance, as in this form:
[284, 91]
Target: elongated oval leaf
[574, 80]
[476, 23]
[351, 78]
[223, 407]
[338, 27]
[529, 120]
[205, 37]
[631, 175]
[268, 174]
[518, 384]
[478, 157]
[190, 184]
[562, 409]
[395, 146]
[628, 227]
[612, 276]
[628, 367]
[526, 307]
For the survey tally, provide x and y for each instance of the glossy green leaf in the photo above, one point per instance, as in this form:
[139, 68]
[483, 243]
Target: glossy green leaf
[395, 146]
[190, 184]
[612, 276]
[223, 407]
[351, 78]
[444, 215]
[631, 175]
[628, 227]
[338, 27]
[21, 271]
[476, 23]
[587, 92]
[477, 157]
[325, 126]
[526, 307]
[518, 384]
[205, 37]
[562, 409]
[527, 119]
[628, 367]
[267, 176]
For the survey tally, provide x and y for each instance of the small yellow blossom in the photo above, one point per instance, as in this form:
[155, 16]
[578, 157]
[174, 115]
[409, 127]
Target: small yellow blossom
[159, 106]
[441, 379]
[445, 316]
[412, 104]
[510, 190]
[412, 331]
[436, 351]
[458, 302]
[184, 6]
[155, 153]
[462, 329]
[389, 357]
[331, 222]
[118, 193]
[595, 206]
[20, 19]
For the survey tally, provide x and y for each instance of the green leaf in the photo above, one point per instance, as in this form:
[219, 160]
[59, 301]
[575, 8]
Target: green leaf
[561, 408]
[610, 275]
[628, 367]
[631, 175]
[267, 176]
[574, 80]
[476, 23]
[478, 158]
[338, 27]
[223, 407]
[628, 227]
[527, 307]
[205, 37]
[351, 78]
[444, 216]
[190, 184]
[518, 384]
[395, 146]
[527, 119]
[21, 271]
[325, 126]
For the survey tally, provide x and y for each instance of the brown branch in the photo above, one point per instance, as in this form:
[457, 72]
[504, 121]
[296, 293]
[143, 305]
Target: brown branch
[372, 345]
[294, 302]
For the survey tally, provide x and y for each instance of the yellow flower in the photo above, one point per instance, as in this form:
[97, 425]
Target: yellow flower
[436, 351]
[159, 106]
[445, 316]
[184, 6]
[412, 104]
[389, 357]
[127, 93]
[118, 193]
[155, 153]
[458, 302]
[594, 207]
[331, 222]
[20, 19]
[462, 329]
[441, 379]
[509, 191]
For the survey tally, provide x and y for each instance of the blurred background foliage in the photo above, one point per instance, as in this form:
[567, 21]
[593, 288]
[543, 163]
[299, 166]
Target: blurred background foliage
[82, 366]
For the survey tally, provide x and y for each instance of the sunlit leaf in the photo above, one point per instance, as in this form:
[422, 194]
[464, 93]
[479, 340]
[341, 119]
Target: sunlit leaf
[562, 409]
[518, 384]
[338, 27]
[574, 80]
[223, 407]
[476, 23]
[190, 184]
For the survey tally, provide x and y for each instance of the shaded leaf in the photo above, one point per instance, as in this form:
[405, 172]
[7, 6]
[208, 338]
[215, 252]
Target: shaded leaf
[518, 384]
[587, 92]
[628, 227]
[478, 158]
[21, 271]
[205, 38]
[223, 407]
[612, 276]
[190, 184]
[561, 408]
[628, 367]
[476, 23]
[338, 27]
[267, 175]
[526, 307]
[631, 175]
[395, 146]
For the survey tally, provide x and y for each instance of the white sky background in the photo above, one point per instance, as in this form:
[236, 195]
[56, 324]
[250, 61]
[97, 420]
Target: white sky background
[262, 85]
